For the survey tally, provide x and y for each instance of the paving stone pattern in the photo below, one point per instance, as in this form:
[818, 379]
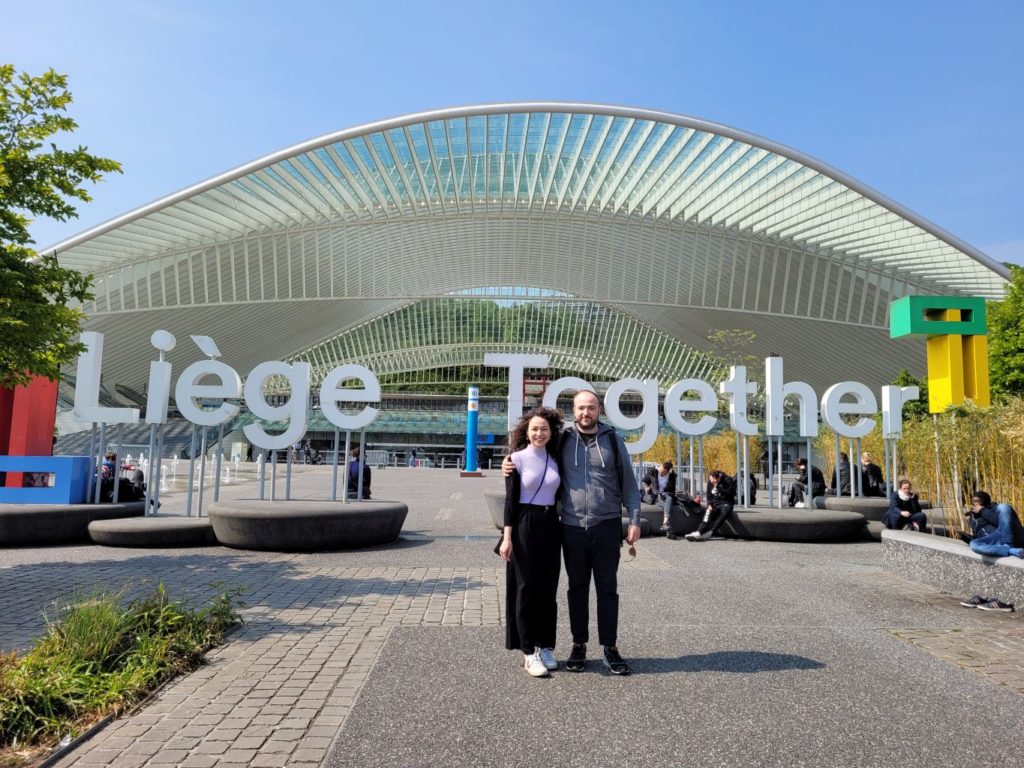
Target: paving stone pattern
[279, 691]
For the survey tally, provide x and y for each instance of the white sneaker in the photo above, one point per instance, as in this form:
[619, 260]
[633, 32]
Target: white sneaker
[695, 536]
[547, 658]
[534, 666]
[799, 505]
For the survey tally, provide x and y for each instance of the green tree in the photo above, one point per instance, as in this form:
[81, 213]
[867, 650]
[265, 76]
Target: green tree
[1006, 339]
[914, 409]
[38, 330]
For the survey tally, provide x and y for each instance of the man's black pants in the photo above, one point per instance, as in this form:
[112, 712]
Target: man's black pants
[587, 551]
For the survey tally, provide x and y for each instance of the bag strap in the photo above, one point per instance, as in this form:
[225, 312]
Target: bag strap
[543, 477]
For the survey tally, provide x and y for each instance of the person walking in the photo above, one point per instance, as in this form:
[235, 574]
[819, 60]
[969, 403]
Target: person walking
[531, 542]
[597, 481]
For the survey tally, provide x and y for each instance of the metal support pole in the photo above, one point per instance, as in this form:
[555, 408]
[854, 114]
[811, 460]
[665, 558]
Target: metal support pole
[334, 468]
[149, 479]
[158, 477]
[769, 476]
[693, 474]
[836, 445]
[809, 496]
[273, 475]
[888, 469]
[780, 471]
[679, 456]
[261, 471]
[119, 461]
[288, 474]
[701, 474]
[191, 472]
[92, 457]
[99, 465]
[362, 464]
[217, 463]
[348, 451]
[739, 471]
[853, 483]
[202, 472]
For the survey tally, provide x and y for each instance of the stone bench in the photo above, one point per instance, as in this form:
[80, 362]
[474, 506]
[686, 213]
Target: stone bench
[950, 565]
[166, 531]
[305, 526]
[873, 509]
[651, 515]
[25, 524]
[802, 525]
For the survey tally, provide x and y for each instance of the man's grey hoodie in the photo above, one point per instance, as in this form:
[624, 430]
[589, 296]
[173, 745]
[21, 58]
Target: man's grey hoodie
[597, 478]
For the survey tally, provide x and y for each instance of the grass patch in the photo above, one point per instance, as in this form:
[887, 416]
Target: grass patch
[99, 657]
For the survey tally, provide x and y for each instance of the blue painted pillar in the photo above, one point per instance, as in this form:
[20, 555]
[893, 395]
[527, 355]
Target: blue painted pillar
[472, 417]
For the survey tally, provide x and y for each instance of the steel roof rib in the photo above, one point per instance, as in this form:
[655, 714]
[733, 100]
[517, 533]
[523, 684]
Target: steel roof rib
[662, 214]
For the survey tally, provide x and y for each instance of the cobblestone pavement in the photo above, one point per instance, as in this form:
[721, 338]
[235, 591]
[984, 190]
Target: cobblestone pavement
[279, 691]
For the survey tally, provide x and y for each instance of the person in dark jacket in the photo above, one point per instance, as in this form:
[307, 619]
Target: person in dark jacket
[354, 467]
[872, 481]
[996, 528]
[720, 498]
[798, 491]
[844, 477]
[659, 487]
[905, 509]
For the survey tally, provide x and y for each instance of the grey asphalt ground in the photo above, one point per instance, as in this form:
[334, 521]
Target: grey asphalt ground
[744, 653]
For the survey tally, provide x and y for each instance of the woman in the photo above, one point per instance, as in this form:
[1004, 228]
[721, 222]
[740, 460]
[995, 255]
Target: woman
[905, 510]
[531, 541]
[720, 497]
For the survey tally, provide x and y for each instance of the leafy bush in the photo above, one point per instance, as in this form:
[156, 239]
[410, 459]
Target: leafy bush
[99, 656]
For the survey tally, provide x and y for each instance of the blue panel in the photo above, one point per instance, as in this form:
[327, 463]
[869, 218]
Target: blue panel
[71, 479]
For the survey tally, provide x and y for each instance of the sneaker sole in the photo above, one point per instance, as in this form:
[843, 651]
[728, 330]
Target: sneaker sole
[620, 673]
[573, 667]
[997, 610]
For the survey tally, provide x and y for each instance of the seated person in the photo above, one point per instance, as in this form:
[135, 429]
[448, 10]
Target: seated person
[905, 510]
[844, 477]
[872, 482]
[353, 476]
[996, 528]
[659, 487]
[720, 498]
[798, 490]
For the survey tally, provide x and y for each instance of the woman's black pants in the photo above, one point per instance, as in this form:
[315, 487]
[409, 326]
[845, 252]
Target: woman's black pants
[536, 548]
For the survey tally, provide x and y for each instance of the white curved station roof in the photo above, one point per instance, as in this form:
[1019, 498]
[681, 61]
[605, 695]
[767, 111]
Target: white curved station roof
[681, 224]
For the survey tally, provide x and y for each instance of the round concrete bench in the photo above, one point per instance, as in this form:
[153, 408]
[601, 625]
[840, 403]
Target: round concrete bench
[305, 526]
[770, 524]
[153, 532]
[22, 524]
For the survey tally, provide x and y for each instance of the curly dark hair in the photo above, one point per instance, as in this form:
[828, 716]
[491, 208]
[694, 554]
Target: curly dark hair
[517, 439]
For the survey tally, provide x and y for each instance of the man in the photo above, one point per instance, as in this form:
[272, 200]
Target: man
[997, 531]
[597, 481]
[844, 476]
[659, 487]
[798, 491]
[872, 481]
[354, 468]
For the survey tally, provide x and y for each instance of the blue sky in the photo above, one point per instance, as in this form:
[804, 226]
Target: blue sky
[920, 100]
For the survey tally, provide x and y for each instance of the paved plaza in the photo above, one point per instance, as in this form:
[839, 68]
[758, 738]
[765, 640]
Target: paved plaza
[744, 653]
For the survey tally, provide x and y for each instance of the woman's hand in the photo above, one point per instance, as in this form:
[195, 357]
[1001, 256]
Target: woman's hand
[904, 513]
[506, 549]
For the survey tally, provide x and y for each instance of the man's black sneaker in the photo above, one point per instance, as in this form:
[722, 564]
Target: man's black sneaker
[614, 662]
[974, 601]
[578, 658]
[671, 536]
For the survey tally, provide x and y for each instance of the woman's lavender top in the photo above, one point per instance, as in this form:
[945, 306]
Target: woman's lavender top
[530, 464]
